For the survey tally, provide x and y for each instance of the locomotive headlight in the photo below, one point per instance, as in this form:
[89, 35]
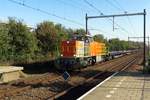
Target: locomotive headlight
[61, 55]
[67, 42]
[74, 55]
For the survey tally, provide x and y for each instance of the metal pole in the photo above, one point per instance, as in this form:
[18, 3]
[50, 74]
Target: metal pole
[128, 42]
[86, 23]
[148, 46]
[144, 35]
[118, 15]
[113, 24]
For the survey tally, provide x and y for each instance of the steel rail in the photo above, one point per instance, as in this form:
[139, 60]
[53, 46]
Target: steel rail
[125, 65]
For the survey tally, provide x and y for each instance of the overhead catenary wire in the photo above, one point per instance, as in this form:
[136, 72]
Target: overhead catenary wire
[91, 28]
[109, 2]
[72, 5]
[45, 12]
[101, 13]
[119, 7]
[81, 4]
[90, 4]
[87, 2]
[131, 24]
[62, 1]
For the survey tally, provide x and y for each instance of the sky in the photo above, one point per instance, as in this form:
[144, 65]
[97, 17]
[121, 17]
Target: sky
[75, 11]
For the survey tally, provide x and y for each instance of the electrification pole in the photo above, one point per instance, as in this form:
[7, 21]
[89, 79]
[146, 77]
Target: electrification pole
[86, 23]
[148, 46]
[144, 35]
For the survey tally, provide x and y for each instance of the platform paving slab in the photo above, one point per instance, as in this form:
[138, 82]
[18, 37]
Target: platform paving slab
[123, 86]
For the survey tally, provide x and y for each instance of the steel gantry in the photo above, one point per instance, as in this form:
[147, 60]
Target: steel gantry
[123, 15]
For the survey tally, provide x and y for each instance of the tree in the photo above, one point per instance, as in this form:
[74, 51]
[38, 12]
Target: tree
[80, 31]
[61, 32]
[69, 32]
[114, 44]
[61, 36]
[47, 38]
[22, 42]
[4, 43]
[99, 38]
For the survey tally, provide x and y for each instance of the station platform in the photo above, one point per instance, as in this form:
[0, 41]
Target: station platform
[9, 73]
[122, 86]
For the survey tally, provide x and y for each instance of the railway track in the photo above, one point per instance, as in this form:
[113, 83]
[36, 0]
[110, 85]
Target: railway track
[56, 88]
[74, 92]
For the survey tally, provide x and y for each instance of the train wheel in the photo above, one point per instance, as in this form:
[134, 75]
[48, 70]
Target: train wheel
[83, 63]
[93, 61]
[90, 62]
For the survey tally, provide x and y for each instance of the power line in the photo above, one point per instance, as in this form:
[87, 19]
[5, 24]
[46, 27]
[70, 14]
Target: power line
[81, 9]
[87, 2]
[88, 11]
[119, 7]
[127, 16]
[80, 4]
[72, 5]
[91, 5]
[109, 2]
[51, 14]
[45, 12]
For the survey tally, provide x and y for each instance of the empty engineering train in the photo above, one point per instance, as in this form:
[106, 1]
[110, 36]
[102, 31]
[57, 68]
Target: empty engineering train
[81, 51]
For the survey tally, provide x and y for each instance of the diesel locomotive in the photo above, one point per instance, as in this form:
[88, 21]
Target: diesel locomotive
[81, 51]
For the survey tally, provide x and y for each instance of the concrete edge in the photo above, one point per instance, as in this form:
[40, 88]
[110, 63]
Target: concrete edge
[80, 98]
